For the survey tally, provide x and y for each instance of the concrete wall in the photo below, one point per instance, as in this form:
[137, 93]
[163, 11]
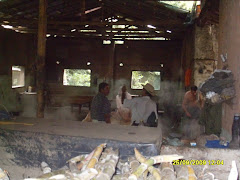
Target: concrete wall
[229, 43]
[188, 49]
[20, 49]
[15, 49]
[205, 52]
[105, 60]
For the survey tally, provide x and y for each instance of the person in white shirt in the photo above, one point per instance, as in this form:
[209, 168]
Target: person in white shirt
[142, 108]
[125, 113]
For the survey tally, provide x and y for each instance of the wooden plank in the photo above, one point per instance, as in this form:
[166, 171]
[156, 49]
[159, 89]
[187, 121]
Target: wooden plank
[41, 52]
[80, 100]
[83, 4]
[98, 23]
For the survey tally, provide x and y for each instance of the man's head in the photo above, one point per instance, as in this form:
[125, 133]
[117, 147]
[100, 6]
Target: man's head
[194, 90]
[148, 90]
[104, 88]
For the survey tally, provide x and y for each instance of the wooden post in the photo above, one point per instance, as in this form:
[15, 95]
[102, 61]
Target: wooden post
[83, 8]
[42, 29]
[111, 67]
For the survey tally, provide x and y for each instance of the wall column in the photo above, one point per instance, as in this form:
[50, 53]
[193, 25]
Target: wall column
[205, 53]
[229, 43]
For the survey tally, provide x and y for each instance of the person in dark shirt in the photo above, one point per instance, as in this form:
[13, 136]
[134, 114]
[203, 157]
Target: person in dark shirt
[101, 107]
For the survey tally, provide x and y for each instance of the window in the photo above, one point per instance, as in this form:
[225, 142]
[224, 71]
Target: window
[18, 76]
[186, 5]
[77, 77]
[140, 78]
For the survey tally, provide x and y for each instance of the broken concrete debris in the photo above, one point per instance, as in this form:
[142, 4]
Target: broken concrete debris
[233, 175]
[104, 164]
[45, 168]
[219, 86]
[3, 175]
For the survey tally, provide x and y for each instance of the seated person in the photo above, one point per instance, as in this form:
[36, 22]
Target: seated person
[142, 108]
[101, 107]
[125, 113]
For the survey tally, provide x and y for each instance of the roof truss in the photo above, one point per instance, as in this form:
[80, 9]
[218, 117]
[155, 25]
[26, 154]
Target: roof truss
[100, 15]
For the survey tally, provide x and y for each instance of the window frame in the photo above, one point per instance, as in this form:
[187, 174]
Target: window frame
[23, 78]
[145, 71]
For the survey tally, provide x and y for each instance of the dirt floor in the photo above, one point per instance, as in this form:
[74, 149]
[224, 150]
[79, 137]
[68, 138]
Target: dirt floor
[195, 150]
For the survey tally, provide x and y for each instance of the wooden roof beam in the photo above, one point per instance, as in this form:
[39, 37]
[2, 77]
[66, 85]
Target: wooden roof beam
[58, 32]
[142, 6]
[92, 23]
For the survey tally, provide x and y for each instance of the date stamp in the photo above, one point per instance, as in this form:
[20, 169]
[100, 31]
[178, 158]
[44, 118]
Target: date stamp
[198, 162]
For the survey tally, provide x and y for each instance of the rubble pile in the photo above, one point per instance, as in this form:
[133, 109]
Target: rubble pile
[3, 175]
[104, 164]
[219, 86]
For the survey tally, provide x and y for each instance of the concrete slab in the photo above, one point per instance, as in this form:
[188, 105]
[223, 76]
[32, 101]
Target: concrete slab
[26, 142]
[139, 134]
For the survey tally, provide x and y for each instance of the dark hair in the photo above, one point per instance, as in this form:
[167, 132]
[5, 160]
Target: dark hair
[123, 93]
[194, 88]
[102, 86]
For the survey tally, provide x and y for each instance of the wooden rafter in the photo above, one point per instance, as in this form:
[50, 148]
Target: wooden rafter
[64, 15]
[209, 13]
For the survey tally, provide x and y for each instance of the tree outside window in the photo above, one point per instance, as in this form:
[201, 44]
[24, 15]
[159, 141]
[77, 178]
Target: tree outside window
[18, 76]
[77, 77]
[140, 78]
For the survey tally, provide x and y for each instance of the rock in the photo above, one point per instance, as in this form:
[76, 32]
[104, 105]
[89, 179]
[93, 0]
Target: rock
[3, 175]
[219, 87]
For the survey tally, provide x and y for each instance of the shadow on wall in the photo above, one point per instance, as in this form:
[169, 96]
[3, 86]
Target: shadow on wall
[64, 113]
[9, 98]
[170, 94]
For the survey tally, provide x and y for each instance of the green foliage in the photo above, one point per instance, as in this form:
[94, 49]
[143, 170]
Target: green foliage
[77, 77]
[140, 78]
[18, 76]
[187, 5]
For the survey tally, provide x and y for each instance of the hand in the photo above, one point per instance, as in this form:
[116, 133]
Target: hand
[188, 114]
[108, 121]
[107, 118]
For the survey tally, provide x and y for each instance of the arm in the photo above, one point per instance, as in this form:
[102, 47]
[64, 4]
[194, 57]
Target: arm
[107, 111]
[156, 111]
[201, 100]
[107, 118]
[128, 95]
[184, 105]
[118, 102]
